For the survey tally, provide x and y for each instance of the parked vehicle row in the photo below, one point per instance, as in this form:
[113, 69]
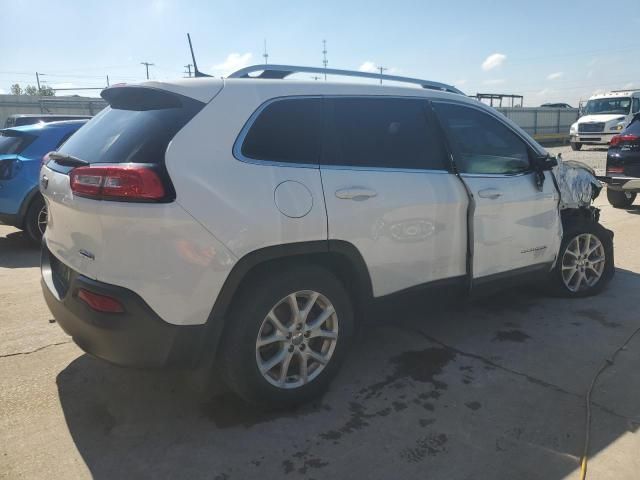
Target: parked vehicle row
[252, 223]
[21, 154]
[623, 166]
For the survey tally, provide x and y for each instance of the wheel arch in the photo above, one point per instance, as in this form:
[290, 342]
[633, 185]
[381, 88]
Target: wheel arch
[342, 258]
[26, 203]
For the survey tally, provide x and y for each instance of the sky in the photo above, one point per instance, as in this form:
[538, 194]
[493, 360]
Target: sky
[545, 50]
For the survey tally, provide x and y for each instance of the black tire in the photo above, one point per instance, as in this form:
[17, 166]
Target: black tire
[32, 221]
[237, 360]
[619, 199]
[575, 146]
[572, 228]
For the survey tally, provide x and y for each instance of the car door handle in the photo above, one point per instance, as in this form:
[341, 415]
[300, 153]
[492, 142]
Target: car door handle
[491, 193]
[355, 193]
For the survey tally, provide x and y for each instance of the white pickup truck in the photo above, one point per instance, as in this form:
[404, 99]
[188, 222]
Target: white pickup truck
[604, 116]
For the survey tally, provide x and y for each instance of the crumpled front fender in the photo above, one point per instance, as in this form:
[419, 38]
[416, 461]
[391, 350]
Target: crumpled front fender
[577, 184]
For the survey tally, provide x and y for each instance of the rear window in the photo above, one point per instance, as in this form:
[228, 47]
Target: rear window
[136, 128]
[286, 131]
[14, 142]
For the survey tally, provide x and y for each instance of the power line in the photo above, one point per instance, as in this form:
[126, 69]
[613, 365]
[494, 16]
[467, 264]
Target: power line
[147, 65]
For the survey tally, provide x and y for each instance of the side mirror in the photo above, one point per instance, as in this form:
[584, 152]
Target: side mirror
[546, 163]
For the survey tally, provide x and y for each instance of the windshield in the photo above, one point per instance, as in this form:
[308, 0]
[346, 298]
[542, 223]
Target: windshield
[603, 106]
[10, 142]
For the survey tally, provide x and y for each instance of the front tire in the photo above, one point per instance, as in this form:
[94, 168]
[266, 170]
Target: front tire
[620, 199]
[288, 333]
[585, 263]
[576, 146]
[35, 222]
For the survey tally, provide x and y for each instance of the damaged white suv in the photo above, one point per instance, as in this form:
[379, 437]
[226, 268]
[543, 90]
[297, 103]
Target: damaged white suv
[252, 222]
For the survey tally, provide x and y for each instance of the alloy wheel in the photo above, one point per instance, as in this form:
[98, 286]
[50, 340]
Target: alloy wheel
[583, 262]
[297, 339]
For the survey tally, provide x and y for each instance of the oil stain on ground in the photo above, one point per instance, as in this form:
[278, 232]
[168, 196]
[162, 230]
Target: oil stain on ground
[431, 445]
[597, 316]
[511, 336]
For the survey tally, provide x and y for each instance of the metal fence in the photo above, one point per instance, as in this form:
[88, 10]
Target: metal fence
[14, 104]
[543, 123]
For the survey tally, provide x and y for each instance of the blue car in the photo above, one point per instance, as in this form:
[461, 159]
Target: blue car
[21, 152]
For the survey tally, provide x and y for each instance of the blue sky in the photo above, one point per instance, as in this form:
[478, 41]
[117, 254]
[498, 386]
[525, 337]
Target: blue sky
[545, 50]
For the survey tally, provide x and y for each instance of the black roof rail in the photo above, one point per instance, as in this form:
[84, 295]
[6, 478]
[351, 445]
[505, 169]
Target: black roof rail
[283, 71]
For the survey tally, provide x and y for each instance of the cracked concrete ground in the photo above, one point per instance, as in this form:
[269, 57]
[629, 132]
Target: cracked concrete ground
[433, 389]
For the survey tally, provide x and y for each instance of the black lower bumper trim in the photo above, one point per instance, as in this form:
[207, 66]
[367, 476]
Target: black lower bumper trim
[137, 337]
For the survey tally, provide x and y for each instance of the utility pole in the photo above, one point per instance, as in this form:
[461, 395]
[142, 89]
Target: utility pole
[265, 54]
[316, 77]
[382, 69]
[188, 67]
[147, 65]
[38, 80]
[325, 62]
[108, 81]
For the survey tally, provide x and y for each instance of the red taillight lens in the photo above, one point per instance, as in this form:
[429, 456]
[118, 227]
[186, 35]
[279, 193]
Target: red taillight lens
[618, 139]
[125, 182]
[615, 169]
[100, 303]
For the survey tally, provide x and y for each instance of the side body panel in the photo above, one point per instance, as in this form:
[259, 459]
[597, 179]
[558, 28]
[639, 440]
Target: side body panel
[236, 200]
[412, 231]
[514, 224]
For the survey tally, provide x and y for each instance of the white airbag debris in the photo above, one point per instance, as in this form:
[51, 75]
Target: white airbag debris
[577, 183]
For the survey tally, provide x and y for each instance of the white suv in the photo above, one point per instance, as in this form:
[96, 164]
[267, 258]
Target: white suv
[252, 221]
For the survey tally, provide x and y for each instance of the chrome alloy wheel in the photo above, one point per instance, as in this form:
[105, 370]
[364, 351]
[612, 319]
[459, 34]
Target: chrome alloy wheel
[297, 339]
[583, 262]
[43, 216]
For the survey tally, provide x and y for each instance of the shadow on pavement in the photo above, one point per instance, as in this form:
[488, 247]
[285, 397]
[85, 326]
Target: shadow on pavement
[18, 251]
[489, 389]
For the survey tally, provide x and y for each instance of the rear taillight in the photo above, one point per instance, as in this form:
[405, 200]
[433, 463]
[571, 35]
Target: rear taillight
[100, 303]
[615, 169]
[121, 182]
[619, 139]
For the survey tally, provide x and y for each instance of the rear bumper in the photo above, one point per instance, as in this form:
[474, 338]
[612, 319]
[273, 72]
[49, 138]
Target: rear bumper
[136, 337]
[626, 184]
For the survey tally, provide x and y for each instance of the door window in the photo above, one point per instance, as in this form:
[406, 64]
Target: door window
[384, 133]
[480, 143]
[286, 131]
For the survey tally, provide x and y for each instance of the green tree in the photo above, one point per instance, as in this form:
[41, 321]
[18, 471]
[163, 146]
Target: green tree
[30, 90]
[47, 91]
[16, 89]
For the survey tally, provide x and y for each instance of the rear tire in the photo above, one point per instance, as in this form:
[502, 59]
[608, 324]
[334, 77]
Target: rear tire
[35, 222]
[248, 346]
[585, 263]
[575, 146]
[620, 199]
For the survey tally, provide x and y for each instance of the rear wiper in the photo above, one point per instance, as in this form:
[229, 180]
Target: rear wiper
[67, 160]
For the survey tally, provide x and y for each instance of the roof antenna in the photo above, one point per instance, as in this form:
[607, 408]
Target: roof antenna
[196, 72]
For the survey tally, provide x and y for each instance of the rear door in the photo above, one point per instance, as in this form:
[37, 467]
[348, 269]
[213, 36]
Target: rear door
[516, 223]
[388, 191]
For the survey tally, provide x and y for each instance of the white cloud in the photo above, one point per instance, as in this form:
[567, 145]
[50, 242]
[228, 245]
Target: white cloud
[493, 61]
[233, 62]
[555, 75]
[494, 81]
[368, 66]
[628, 86]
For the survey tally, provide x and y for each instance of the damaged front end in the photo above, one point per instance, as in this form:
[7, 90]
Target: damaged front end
[576, 183]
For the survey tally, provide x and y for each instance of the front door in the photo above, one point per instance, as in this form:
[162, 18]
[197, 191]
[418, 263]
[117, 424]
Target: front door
[516, 224]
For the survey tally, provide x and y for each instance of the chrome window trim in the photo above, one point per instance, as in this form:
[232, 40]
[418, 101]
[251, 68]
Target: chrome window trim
[237, 145]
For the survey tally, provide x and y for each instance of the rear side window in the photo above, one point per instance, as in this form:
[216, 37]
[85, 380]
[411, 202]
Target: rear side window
[14, 143]
[482, 144]
[383, 132]
[137, 127]
[287, 131]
